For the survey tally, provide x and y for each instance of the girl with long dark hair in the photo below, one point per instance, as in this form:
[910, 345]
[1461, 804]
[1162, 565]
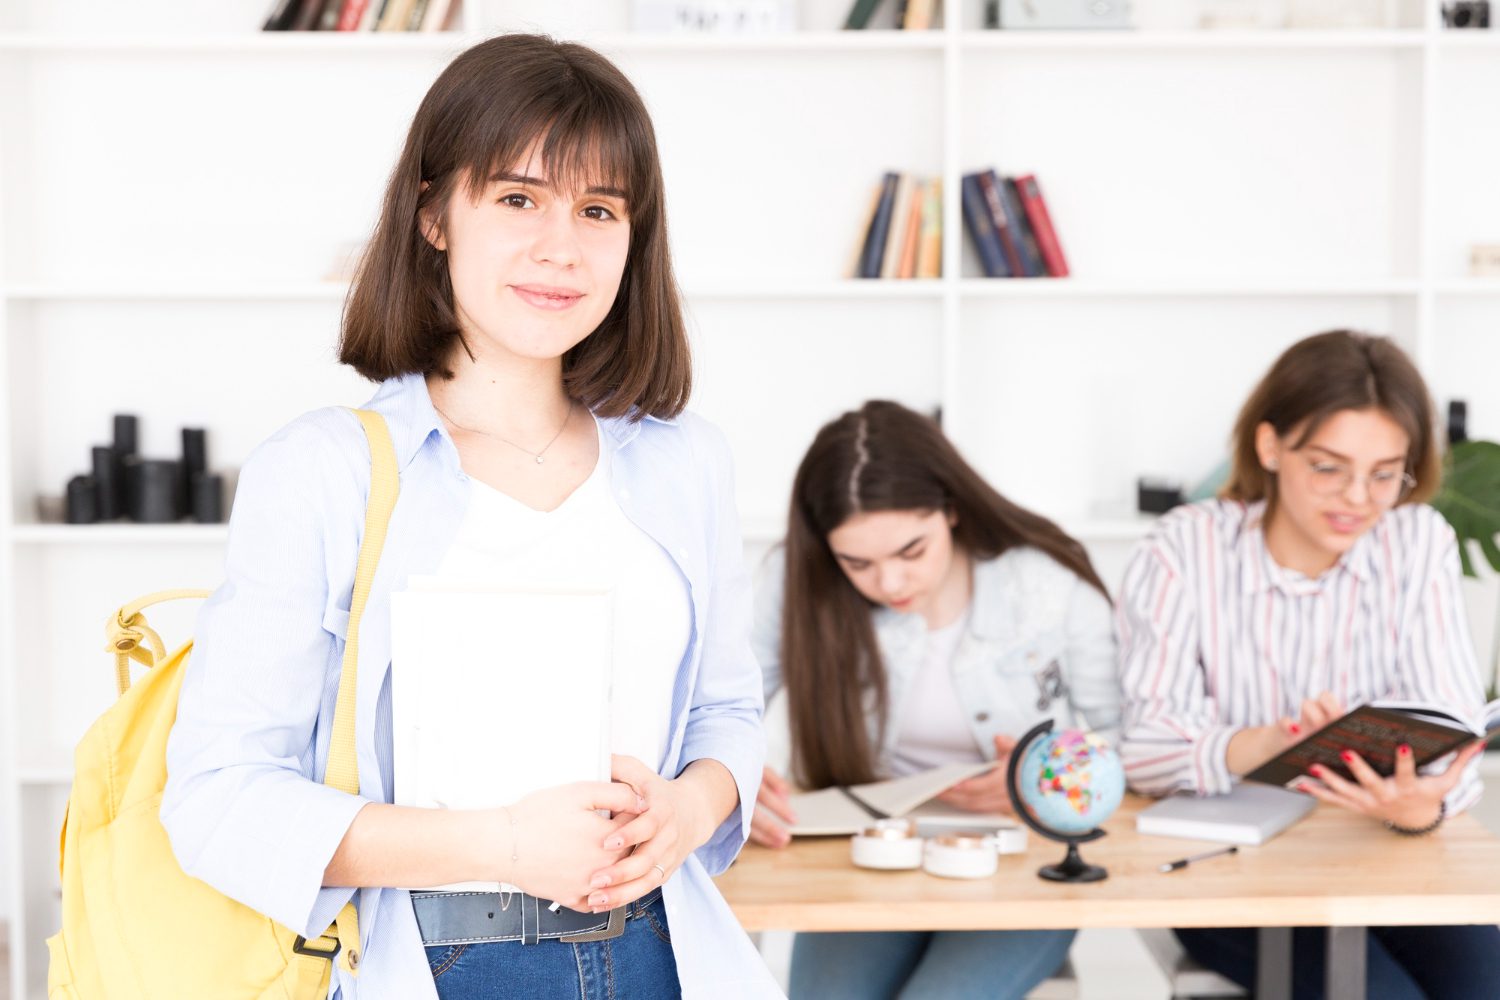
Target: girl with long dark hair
[916, 617]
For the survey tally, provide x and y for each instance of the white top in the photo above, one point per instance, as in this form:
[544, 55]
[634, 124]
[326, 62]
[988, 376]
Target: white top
[933, 728]
[1215, 636]
[587, 541]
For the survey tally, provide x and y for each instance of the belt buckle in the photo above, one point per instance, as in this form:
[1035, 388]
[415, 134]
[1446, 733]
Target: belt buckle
[613, 929]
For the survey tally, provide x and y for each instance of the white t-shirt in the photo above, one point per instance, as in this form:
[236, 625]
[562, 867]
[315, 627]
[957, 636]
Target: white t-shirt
[933, 728]
[587, 541]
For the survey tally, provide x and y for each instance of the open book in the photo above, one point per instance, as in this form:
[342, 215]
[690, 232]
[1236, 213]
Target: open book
[841, 810]
[1374, 732]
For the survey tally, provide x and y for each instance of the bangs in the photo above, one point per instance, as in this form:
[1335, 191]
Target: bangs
[584, 141]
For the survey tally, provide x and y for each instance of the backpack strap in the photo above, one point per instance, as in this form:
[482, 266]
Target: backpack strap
[343, 762]
[385, 483]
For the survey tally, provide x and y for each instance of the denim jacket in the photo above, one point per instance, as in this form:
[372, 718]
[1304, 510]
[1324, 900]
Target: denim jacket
[1040, 644]
[243, 804]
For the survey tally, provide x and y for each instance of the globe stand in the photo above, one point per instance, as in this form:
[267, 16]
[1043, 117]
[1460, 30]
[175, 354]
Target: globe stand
[1072, 868]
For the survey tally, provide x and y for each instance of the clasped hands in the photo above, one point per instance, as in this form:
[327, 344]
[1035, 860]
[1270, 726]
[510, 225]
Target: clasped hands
[566, 851]
[983, 793]
[1405, 799]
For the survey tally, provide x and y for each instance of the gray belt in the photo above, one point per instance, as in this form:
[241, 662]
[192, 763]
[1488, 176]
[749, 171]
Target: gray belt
[475, 917]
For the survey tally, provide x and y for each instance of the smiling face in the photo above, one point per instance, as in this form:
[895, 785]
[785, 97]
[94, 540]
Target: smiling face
[1331, 489]
[534, 269]
[902, 559]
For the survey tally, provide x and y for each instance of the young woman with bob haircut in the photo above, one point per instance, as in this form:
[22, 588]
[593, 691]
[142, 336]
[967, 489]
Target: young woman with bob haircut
[518, 308]
[919, 618]
[1319, 581]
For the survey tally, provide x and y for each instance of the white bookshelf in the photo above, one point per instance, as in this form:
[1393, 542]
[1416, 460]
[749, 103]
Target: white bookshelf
[173, 185]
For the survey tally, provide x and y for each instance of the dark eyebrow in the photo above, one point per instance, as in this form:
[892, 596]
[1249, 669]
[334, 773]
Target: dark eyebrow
[1346, 459]
[899, 552]
[505, 178]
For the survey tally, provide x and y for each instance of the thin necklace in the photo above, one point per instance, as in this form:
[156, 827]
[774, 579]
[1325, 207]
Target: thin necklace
[534, 454]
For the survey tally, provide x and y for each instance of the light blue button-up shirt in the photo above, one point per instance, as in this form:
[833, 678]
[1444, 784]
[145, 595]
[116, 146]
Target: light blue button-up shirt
[243, 804]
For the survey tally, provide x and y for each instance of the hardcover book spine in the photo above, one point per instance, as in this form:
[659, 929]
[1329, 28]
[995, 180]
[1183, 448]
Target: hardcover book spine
[982, 229]
[329, 19]
[307, 15]
[874, 253]
[1004, 229]
[890, 264]
[1031, 256]
[352, 14]
[860, 14]
[911, 232]
[930, 252]
[1041, 224]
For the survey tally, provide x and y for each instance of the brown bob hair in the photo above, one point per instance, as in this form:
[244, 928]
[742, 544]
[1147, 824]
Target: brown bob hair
[1318, 377]
[879, 457]
[480, 116]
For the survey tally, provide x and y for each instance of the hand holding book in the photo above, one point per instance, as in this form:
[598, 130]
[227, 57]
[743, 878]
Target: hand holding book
[1409, 802]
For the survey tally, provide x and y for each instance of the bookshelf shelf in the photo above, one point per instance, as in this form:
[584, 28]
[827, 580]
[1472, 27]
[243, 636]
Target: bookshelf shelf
[1153, 41]
[120, 534]
[1081, 288]
[452, 41]
[1469, 287]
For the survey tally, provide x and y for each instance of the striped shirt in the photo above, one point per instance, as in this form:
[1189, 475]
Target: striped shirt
[1215, 637]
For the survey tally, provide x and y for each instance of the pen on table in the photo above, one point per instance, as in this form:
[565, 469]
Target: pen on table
[1172, 866]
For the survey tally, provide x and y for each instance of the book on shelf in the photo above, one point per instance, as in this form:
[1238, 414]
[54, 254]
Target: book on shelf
[930, 244]
[890, 264]
[1005, 230]
[360, 15]
[1250, 814]
[910, 15]
[1035, 207]
[1374, 731]
[1031, 256]
[981, 226]
[902, 232]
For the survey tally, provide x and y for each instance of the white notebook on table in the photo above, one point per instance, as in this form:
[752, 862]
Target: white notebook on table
[497, 693]
[1250, 814]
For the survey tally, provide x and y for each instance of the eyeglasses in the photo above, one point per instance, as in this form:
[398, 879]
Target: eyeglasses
[1385, 487]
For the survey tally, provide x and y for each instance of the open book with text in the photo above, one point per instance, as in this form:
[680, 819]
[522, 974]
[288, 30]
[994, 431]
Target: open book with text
[847, 810]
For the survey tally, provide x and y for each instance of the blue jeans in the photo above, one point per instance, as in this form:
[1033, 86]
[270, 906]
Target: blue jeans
[637, 965]
[1401, 963]
[911, 965]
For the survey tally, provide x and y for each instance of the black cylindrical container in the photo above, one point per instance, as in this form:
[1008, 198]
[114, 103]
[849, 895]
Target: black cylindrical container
[194, 461]
[125, 434]
[208, 498]
[109, 475]
[83, 500]
[154, 491]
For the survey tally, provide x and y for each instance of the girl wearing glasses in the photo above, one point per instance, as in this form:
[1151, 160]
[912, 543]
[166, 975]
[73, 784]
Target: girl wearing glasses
[918, 618]
[1317, 583]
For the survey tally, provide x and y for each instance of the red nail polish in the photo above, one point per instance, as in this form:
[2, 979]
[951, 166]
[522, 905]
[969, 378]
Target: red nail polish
[1295, 729]
[1316, 769]
[1348, 756]
[1404, 750]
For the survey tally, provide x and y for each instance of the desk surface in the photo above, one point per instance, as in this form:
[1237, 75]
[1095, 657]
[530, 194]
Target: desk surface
[1332, 869]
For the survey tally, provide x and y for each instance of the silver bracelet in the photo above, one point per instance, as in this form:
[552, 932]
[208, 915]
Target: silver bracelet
[1418, 831]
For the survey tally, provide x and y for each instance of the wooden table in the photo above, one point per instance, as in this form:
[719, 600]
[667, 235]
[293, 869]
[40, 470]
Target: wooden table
[1334, 869]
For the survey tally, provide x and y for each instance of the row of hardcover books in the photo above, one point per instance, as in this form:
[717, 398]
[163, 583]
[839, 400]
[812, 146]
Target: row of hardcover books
[911, 15]
[361, 15]
[1012, 230]
[903, 232]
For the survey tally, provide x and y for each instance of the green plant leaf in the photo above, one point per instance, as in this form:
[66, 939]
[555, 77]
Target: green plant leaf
[1470, 499]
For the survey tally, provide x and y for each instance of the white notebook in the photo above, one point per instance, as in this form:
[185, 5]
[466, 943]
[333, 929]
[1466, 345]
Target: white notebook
[1250, 814]
[497, 693]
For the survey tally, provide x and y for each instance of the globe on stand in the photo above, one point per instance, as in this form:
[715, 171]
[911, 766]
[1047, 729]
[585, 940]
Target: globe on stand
[1065, 784]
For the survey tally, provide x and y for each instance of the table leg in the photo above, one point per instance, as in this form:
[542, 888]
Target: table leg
[1273, 964]
[1346, 963]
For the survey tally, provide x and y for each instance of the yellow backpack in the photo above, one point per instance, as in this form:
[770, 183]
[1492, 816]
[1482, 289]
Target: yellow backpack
[134, 925]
